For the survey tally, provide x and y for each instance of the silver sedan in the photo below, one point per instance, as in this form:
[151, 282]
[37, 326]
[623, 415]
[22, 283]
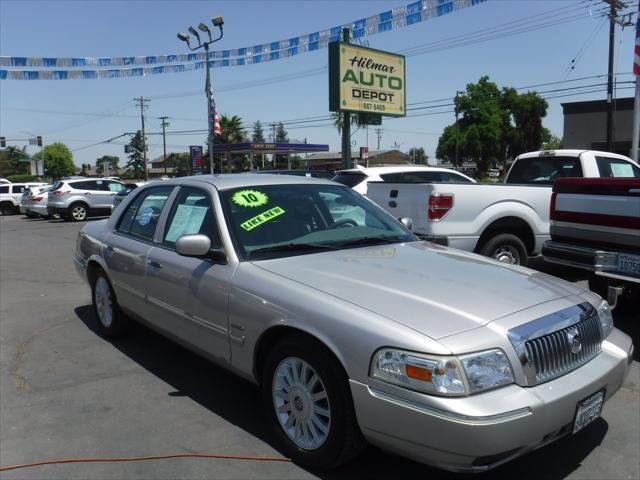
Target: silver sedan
[355, 330]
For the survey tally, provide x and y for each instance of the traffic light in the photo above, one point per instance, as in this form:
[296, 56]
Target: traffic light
[39, 140]
[3, 142]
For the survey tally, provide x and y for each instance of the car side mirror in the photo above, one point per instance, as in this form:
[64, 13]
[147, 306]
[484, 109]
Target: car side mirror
[407, 222]
[193, 245]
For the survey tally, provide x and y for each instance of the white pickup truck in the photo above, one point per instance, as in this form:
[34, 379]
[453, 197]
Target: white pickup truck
[509, 221]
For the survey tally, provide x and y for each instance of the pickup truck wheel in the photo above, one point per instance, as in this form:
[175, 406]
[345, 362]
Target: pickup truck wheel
[309, 403]
[111, 321]
[78, 212]
[506, 248]
[6, 208]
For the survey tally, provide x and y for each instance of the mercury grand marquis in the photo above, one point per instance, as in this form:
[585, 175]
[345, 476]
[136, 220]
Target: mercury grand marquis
[355, 330]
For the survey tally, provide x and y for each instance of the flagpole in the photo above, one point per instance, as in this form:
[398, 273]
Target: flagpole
[635, 138]
[635, 135]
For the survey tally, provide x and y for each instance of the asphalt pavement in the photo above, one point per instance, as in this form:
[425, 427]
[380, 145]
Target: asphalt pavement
[65, 392]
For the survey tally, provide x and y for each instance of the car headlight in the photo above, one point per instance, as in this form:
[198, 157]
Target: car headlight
[438, 375]
[606, 318]
[453, 376]
[487, 370]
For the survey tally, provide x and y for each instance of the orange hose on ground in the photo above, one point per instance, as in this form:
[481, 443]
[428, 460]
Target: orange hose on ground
[150, 457]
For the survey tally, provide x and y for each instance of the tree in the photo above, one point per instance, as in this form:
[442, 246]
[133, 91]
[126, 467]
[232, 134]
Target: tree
[58, 160]
[136, 157]
[418, 156]
[181, 162]
[231, 131]
[492, 125]
[281, 137]
[338, 120]
[110, 160]
[12, 161]
[552, 142]
[258, 133]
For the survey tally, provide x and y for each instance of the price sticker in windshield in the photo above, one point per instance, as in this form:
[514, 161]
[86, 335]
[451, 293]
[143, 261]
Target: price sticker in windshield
[249, 198]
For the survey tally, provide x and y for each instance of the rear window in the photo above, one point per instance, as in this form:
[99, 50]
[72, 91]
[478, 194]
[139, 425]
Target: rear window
[350, 179]
[543, 170]
[57, 186]
[423, 177]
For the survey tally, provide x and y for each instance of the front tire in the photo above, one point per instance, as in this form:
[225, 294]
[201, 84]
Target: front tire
[506, 248]
[111, 321]
[7, 208]
[306, 394]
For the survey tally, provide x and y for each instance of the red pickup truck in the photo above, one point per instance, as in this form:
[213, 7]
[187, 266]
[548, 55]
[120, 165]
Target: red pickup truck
[595, 225]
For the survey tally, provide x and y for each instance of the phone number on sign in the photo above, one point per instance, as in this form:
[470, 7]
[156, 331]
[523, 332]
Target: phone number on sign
[373, 106]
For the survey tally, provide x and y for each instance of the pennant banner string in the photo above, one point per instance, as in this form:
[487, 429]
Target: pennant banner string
[122, 67]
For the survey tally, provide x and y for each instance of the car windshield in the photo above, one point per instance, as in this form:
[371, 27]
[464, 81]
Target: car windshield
[271, 221]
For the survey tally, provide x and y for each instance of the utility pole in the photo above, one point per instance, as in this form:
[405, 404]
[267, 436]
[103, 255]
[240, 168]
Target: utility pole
[612, 36]
[346, 119]
[164, 124]
[457, 128]
[379, 134]
[141, 102]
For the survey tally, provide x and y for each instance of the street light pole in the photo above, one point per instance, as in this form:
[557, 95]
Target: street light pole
[211, 105]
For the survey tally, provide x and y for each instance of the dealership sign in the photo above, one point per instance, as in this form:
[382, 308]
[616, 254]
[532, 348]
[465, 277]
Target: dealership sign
[366, 80]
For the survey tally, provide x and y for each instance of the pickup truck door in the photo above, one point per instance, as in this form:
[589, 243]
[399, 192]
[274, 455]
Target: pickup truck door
[188, 296]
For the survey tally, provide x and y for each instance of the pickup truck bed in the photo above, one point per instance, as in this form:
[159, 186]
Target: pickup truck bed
[595, 225]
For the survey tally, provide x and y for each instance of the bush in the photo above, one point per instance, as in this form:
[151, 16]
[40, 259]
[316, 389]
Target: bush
[21, 178]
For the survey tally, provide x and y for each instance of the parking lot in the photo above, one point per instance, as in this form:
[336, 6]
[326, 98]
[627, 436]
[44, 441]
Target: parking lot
[68, 393]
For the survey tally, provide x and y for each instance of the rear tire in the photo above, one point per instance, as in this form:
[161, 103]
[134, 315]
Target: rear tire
[506, 248]
[111, 321]
[78, 212]
[7, 208]
[307, 397]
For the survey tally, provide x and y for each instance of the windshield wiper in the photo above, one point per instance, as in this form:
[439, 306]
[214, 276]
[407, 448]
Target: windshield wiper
[294, 247]
[371, 241]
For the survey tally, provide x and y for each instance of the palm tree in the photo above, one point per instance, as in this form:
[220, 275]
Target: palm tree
[231, 131]
[338, 120]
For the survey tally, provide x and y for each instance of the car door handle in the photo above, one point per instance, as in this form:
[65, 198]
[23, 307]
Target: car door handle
[87, 193]
[154, 263]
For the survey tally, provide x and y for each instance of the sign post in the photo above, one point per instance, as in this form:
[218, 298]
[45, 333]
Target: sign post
[367, 82]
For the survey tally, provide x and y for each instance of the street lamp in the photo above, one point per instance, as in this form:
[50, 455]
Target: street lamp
[211, 105]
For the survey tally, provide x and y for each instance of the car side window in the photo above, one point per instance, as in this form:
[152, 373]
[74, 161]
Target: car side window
[18, 188]
[114, 187]
[4, 189]
[453, 178]
[616, 168]
[141, 217]
[544, 170]
[191, 213]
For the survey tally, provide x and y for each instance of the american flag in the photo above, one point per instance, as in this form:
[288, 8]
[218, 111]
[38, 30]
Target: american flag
[636, 60]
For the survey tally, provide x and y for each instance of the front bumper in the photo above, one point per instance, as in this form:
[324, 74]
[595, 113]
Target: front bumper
[602, 262]
[482, 431]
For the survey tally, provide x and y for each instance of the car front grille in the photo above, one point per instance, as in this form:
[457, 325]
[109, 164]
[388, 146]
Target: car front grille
[559, 352]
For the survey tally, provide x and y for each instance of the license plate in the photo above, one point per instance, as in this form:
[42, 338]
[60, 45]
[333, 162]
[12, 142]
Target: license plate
[588, 410]
[629, 263]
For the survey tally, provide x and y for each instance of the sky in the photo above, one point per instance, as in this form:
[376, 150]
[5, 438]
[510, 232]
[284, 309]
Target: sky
[517, 43]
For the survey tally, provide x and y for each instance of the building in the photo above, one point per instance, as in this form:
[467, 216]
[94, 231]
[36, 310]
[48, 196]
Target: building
[585, 125]
[377, 158]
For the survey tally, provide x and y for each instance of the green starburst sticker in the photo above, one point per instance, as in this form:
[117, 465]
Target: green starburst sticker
[249, 198]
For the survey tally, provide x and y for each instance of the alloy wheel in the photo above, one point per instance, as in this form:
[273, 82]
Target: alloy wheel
[301, 403]
[79, 213]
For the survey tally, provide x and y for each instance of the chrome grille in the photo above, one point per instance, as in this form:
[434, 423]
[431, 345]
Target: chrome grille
[554, 354]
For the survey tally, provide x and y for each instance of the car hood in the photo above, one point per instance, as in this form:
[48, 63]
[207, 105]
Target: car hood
[435, 290]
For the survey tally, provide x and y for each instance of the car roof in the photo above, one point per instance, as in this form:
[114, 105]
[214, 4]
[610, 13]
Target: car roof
[396, 169]
[235, 180]
[567, 152]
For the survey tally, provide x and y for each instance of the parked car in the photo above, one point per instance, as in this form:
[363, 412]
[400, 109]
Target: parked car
[508, 222]
[78, 199]
[355, 332]
[4, 181]
[359, 178]
[27, 200]
[10, 195]
[128, 188]
[595, 225]
[38, 205]
[299, 173]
